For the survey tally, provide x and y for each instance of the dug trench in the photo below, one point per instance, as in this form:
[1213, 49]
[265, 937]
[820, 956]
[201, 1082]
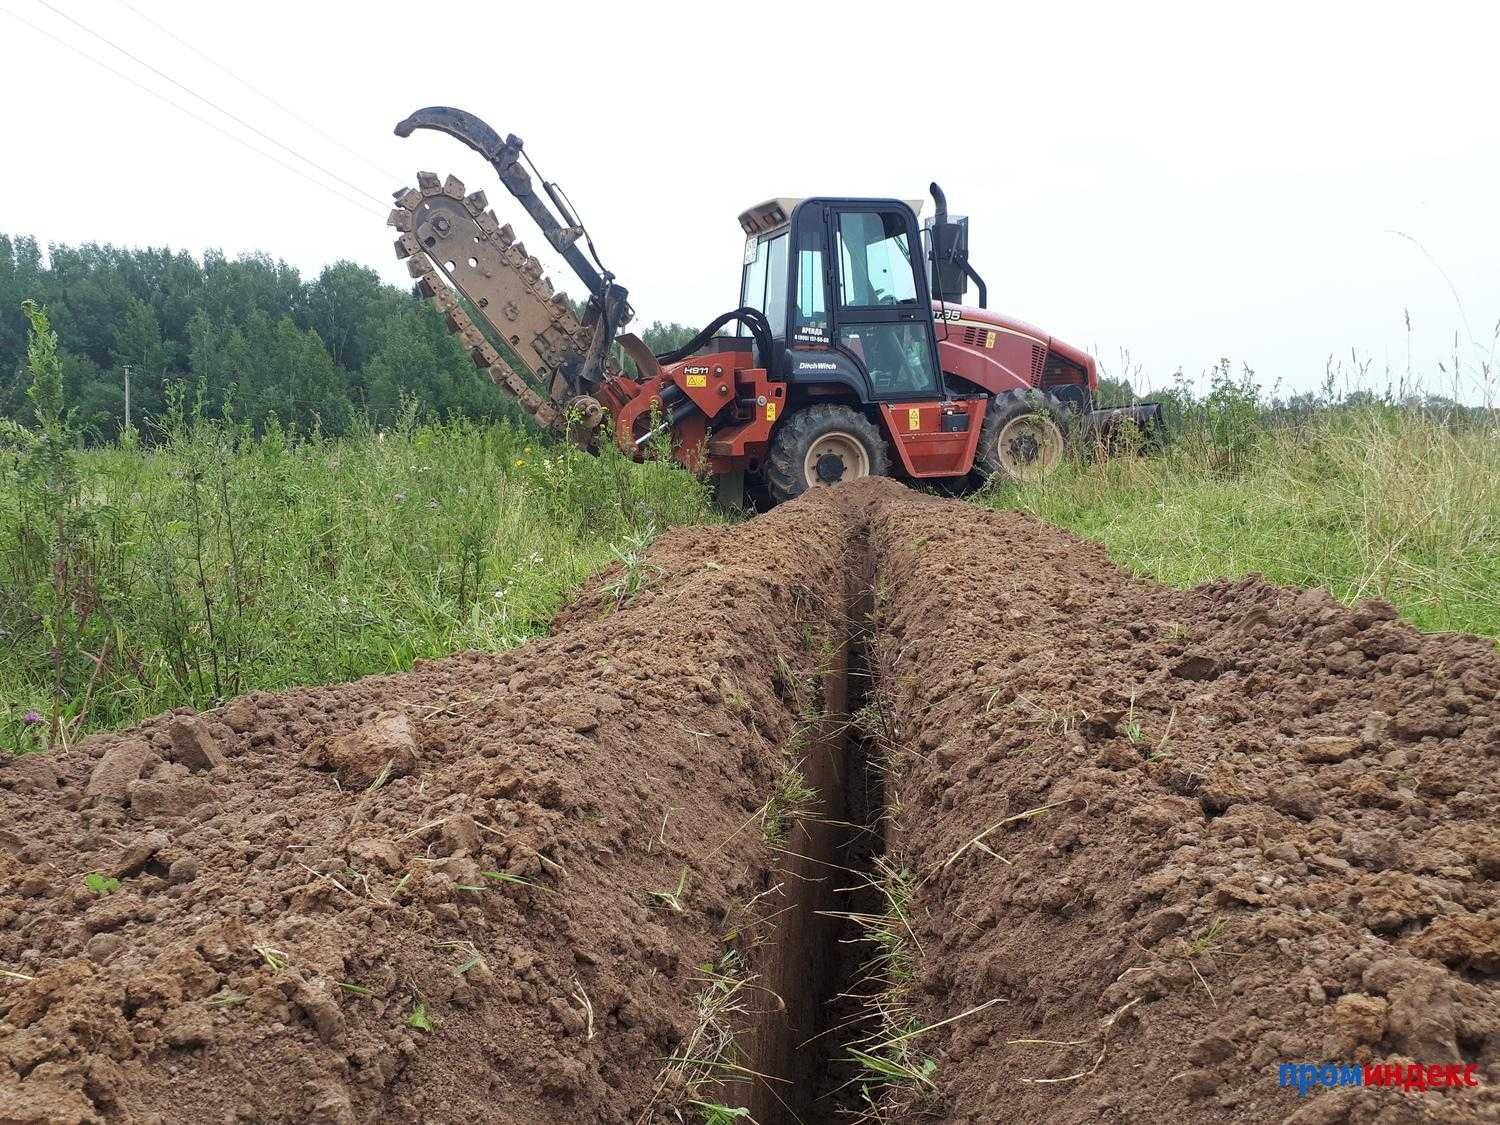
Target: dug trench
[876, 807]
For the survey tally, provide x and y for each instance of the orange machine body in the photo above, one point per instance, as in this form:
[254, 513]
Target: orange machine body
[738, 406]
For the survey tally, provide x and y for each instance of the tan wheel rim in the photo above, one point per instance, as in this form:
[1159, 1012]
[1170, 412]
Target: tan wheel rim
[835, 457]
[1029, 447]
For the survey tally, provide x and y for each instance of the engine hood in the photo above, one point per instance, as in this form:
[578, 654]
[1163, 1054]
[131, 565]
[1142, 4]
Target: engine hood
[949, 314]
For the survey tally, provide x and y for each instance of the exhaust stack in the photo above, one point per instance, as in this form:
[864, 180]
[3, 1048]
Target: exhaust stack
[949, 239]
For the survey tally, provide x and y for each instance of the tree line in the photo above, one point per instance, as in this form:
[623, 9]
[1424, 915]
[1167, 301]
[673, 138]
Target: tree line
[251, 338]
[247, 337]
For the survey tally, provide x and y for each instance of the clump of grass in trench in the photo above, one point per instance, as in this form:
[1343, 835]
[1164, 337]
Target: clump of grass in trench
[792, 800]
[890, 1072]
[716, 1114]
[710, 1055]
[220, 561]
[1367, 501]
[889, 1064]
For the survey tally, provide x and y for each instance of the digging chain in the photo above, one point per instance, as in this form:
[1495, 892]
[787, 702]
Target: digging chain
[454, 245]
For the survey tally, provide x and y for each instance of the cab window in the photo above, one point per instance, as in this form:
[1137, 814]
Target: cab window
[896, 355]
[875, 266]
[764, 283]
[810, 315]
[775, 306]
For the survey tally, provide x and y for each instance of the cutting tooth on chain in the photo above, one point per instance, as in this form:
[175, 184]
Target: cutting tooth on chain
[407, 245]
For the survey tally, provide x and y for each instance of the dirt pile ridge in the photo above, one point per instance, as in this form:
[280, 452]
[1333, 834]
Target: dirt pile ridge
[1160, 844]
[1239, 826]
[481, 837]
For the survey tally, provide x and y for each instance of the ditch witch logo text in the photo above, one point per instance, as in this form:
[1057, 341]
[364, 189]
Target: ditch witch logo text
[1413, 1076]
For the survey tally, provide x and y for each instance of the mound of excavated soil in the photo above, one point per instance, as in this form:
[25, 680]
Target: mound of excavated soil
[1163, 843]
[1270, 833]
[480, 837]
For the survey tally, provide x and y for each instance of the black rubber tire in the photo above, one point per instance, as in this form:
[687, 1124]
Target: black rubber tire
[1049, 416]
[786, 474]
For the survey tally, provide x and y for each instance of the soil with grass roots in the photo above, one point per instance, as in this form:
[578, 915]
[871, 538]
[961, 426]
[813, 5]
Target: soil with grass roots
[1159, 844]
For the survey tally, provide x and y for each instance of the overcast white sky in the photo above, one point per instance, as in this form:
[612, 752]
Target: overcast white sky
[1180, 181]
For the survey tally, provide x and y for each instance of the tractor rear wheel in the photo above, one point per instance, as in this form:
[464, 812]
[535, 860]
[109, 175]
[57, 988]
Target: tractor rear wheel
[823, 445]
[1024, 437]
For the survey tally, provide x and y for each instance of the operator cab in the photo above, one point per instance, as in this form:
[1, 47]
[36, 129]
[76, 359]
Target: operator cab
[842, 284]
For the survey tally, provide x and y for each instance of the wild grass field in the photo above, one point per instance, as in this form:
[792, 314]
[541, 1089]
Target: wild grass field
[217, 558]
[214, 560]
[218, 562]
[1368, 501]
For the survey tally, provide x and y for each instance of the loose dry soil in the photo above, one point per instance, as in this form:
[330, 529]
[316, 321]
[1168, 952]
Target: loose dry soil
[1164, 841]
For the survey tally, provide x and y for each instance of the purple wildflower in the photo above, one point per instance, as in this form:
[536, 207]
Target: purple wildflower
[31, 717]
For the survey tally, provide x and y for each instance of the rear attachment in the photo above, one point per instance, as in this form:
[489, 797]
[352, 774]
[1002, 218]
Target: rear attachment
[1141, 426]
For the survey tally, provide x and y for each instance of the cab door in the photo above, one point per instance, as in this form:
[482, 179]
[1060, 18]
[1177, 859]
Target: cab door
[882, 316]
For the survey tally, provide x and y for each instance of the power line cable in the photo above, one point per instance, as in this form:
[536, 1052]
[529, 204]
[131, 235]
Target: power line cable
[210, 103]
[207, 122]
[286, 109]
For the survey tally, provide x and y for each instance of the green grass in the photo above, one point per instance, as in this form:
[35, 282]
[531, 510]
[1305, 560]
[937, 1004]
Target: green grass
[420, 1019]
[717, 1114]
[890, 1068]
[101, 884]
[673, 898]
[1206, 939]
[217, 562]
[1368, 502]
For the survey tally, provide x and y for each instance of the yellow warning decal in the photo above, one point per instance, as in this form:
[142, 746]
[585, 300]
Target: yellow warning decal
[697, 380]
[913, 419]
[770, 412]
[989, 340]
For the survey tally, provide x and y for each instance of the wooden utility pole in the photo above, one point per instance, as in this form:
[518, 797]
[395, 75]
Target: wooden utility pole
[127, 398]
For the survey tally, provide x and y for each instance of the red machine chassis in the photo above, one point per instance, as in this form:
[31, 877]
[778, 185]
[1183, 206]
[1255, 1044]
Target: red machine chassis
[990, 353]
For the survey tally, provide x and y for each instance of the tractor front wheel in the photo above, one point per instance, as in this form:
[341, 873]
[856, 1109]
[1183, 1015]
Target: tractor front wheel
[1024, 437]
[823, 445]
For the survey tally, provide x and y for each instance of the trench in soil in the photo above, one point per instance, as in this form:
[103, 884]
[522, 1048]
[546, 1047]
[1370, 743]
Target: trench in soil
[809, 967]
